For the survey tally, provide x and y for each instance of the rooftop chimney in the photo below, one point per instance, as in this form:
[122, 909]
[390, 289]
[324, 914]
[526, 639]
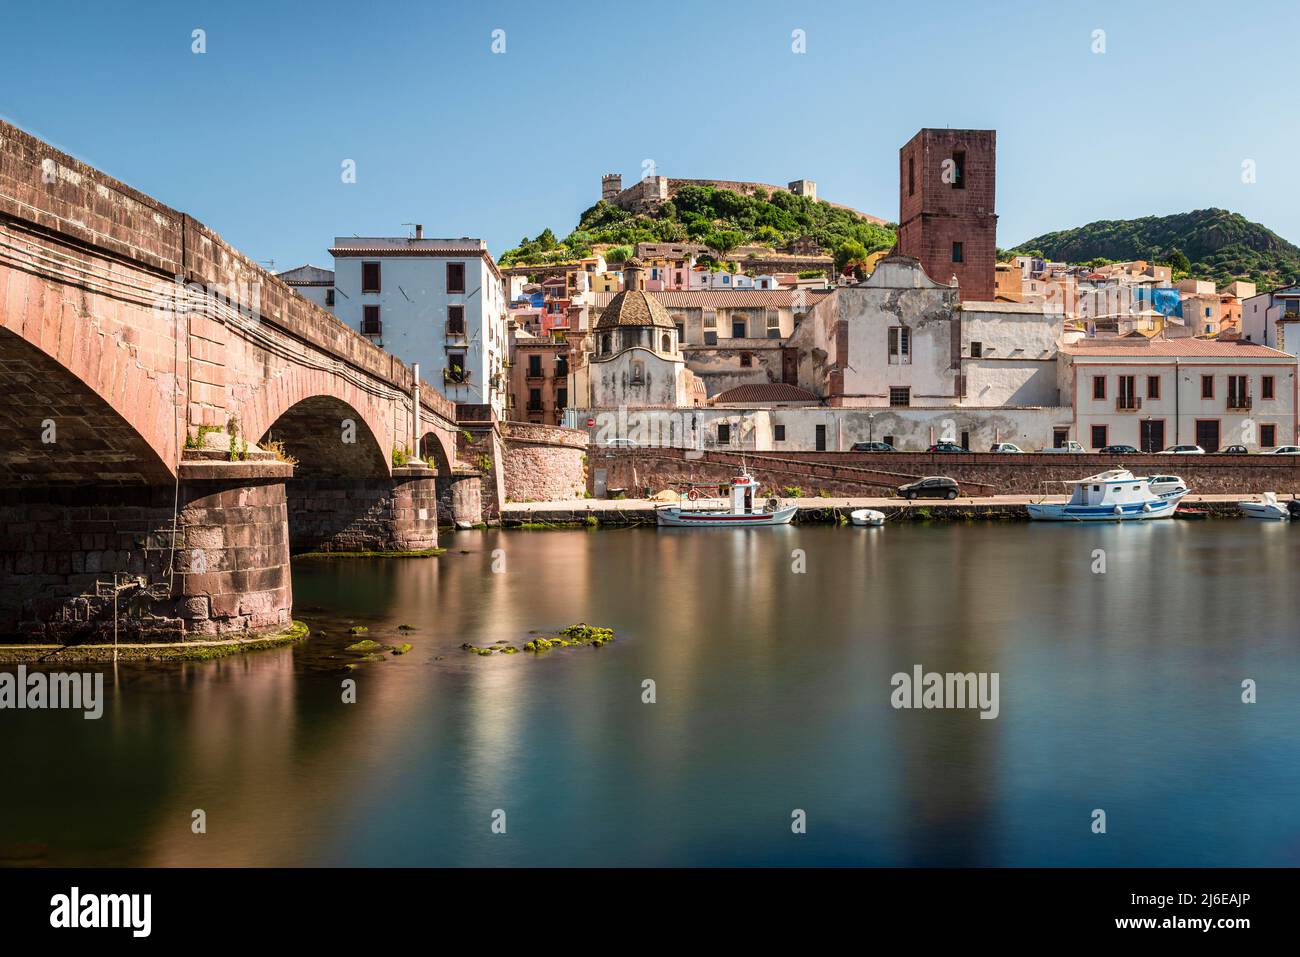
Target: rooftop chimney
[419, 231]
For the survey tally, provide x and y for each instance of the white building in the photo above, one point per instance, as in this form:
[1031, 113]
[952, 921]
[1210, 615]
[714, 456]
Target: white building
[1268, 317]
[438, 302]
[1153, 393]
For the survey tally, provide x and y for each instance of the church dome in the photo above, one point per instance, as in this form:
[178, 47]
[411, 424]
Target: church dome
[634, 307]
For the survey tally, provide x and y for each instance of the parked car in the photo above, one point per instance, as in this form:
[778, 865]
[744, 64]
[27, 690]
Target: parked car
[622, 444]
[946, 447]
[1183, 450]
[1006, 447]
[1118, 450]
[1284, 450]
[872, 447]
[1235, 450]
[1069, 446]
[1166, 486]
[932, 486]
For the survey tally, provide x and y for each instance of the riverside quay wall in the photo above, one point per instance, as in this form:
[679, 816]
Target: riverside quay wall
[861, 473]
[544, 463]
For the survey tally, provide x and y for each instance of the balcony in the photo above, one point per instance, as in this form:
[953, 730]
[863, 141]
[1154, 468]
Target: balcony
[455, 328]
[535, 407]
[1130, 404]
[1242, 403]
[455, 376]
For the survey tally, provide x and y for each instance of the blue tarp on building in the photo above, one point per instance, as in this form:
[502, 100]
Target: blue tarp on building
[1163, 301]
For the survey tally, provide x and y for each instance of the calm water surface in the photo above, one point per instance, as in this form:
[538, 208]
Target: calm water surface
[1118, 691]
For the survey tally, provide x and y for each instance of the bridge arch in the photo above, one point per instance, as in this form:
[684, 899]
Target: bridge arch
[434, 450]
[76, 415]
[319, 412]
[327, 438]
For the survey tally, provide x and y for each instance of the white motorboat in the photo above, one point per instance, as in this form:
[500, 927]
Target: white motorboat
[1116, 495]
[739, 512]
[867, 516]
[1267, 508]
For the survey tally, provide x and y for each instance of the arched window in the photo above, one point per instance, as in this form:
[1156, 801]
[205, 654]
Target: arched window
[668, 343]
[604, 344]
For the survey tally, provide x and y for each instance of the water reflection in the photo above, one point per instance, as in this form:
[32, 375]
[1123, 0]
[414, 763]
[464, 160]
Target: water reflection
[1118, 690]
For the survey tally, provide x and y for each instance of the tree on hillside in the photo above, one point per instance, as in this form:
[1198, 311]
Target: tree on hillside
[723, 241]
[849, 253]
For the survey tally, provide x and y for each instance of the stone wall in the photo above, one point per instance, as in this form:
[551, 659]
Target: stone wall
[865, 474]
[544, 463]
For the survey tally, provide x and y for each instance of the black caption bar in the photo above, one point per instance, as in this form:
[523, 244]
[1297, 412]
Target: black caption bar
[133, 907]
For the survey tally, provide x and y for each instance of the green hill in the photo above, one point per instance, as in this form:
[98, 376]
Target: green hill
[721, 219]
[1205, 244]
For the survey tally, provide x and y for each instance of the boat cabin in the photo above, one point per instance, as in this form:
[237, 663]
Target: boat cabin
[1112, 487]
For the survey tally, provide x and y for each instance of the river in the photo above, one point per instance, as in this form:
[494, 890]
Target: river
[771, 653]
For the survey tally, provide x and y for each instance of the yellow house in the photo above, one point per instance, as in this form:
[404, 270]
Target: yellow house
[607, 282]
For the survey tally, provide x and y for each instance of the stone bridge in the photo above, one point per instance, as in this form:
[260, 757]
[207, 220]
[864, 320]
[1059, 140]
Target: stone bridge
[174, 419]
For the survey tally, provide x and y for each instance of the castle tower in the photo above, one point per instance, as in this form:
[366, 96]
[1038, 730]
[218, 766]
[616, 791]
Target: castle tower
[804, 187]
[946, 216]
[611, 184]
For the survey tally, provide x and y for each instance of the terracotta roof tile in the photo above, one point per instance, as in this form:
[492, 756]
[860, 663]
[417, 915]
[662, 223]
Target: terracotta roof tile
[766, 393]
[634, 307]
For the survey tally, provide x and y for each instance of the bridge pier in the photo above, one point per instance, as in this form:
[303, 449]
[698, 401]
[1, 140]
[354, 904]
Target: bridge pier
[460, 500]
[365, 514]
[223, 572]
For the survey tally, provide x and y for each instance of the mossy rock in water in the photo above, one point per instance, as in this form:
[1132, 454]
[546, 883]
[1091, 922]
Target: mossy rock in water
[366, 645]
[374, 657]
[357, 629]
[509, 650]
[483, 651]
[403, 648]
[585, 634]
[406, 628]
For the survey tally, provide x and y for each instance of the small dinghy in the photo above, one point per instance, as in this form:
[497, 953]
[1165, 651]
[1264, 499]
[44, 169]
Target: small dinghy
[1268, 508]
[1191, 514]
[867, 516]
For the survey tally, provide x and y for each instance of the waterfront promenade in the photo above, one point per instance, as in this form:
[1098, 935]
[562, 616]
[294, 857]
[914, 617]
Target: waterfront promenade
[641, 511]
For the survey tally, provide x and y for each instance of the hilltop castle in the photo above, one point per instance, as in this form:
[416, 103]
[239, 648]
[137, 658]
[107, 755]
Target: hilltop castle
[649, 192]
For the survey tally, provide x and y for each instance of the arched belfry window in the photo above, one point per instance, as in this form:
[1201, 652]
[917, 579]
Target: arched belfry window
[604, 344]
[668, 343]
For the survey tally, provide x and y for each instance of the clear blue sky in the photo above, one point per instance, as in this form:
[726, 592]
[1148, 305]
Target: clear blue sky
[249, 137]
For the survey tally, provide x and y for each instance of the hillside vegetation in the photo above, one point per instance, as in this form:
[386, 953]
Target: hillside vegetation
[721, 219]
[1205, 244]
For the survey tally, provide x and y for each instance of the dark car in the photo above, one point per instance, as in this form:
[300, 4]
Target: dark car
[1118, 450]
[946, 447]
[872, 447]
[1235, 450]
[932, 486]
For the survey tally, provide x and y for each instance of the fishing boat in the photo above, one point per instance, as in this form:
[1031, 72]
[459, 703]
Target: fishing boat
[1267, 508]
[867, 516]
[1116, 495]
[739, 510]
